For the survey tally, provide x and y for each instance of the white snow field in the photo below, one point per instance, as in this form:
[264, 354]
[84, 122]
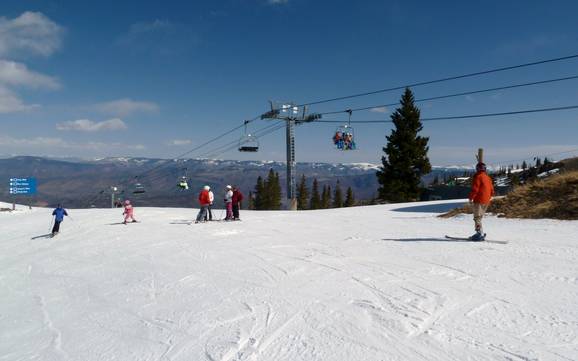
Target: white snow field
[360, 284]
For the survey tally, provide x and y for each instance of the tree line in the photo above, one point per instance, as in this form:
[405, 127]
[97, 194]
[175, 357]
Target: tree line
[267, 194]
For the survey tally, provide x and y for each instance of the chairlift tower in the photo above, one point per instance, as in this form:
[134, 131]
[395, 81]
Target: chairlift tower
[292, 115]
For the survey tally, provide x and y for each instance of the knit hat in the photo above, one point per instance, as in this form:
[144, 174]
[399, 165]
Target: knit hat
[207, 188]
[481, 167]
[127, 202]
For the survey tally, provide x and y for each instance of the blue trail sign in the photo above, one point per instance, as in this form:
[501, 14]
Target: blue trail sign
[22, 185]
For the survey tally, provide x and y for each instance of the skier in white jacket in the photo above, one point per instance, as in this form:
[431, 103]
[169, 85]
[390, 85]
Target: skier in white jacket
[229, 203]
[209, 216]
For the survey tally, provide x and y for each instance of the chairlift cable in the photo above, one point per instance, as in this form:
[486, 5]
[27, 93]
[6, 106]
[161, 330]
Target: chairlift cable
[462, 76]
[484, 115]
[457, 94]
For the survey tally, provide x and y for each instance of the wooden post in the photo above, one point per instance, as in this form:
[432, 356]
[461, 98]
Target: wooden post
[480, 155]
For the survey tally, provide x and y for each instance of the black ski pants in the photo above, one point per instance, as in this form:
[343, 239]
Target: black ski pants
[56, 227]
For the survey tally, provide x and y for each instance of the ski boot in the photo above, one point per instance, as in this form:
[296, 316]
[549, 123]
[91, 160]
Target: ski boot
[478, 237]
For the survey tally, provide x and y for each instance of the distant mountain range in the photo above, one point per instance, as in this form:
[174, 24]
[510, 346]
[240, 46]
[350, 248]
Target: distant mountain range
[79, 183]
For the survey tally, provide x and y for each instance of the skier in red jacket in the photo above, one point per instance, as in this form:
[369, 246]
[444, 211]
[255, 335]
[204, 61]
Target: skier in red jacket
[237, 199]
[480, 196]
[204, 202]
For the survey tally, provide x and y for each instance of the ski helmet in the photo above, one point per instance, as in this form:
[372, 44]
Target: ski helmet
[481, 167]
[127, 202]
[229, 187]
[207, 188]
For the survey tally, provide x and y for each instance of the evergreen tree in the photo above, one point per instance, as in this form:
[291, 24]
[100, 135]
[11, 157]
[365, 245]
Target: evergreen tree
[337, 196]
[260, 196]
[326, 197]
[251, 201]
[315, 202]
[349, 198]
[405, 160]
[273, 191]
[267, 193]
[436, 180]
[302, 194]
[524, 165]
[277, 193]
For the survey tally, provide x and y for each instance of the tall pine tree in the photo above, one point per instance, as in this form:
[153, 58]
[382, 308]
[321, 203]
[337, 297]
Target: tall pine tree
[251, 201]
[326, 197]
[268, 192]
[349, 198]
[273, 191]
[405, 160]
[315, 202]
[260, 196]
[276, 195]
[337, 196]
[302, 194]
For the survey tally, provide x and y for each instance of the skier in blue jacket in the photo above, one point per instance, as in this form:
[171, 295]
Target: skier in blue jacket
[58, 214]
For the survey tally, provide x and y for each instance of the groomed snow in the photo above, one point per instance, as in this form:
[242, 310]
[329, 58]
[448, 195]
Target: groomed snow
[361, 284]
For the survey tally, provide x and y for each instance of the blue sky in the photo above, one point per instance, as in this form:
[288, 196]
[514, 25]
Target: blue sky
[136, 78]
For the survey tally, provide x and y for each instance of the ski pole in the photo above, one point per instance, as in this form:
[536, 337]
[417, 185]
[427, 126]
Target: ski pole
[50, 226]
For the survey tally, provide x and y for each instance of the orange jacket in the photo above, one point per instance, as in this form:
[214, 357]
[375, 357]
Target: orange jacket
[204, 198]
[482, 188]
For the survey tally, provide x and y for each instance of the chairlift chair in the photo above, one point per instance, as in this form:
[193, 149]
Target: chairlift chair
[138, 188]
[183, 181]
[344, 136]
[248, 142]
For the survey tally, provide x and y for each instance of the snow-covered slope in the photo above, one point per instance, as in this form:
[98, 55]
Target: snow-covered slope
[368, 283]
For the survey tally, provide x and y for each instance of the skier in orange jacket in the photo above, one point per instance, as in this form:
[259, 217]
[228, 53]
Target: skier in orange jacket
[204, 202]
[481, 196]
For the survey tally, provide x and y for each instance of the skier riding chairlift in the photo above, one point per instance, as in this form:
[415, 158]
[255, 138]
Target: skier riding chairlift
[183, 184]
[344, 138]
[183, 181]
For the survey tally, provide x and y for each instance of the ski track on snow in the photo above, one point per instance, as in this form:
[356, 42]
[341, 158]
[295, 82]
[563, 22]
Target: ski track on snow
[315, 285]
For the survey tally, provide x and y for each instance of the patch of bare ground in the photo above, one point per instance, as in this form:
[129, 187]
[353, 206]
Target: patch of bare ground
[555, 197]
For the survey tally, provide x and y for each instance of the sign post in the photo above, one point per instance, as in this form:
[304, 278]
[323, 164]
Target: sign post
[22, 186]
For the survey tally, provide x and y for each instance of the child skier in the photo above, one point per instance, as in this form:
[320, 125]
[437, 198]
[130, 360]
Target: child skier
[480, 196]
[204, 202]
[229, 203]
[58, 214]
[128, 212]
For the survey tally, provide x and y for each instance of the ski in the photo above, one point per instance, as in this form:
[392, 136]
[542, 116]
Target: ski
[466, 239]
[48, 235]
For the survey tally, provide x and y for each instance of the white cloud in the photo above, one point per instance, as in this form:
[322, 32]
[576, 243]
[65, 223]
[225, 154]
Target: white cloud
[10, 102]
[379, 110]
[179, 142]
[38, 143]
[147, 27]
[85, 125]
[125, 107]
[18, 74]
[26, 142]
[29, 33]
[159, 37]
